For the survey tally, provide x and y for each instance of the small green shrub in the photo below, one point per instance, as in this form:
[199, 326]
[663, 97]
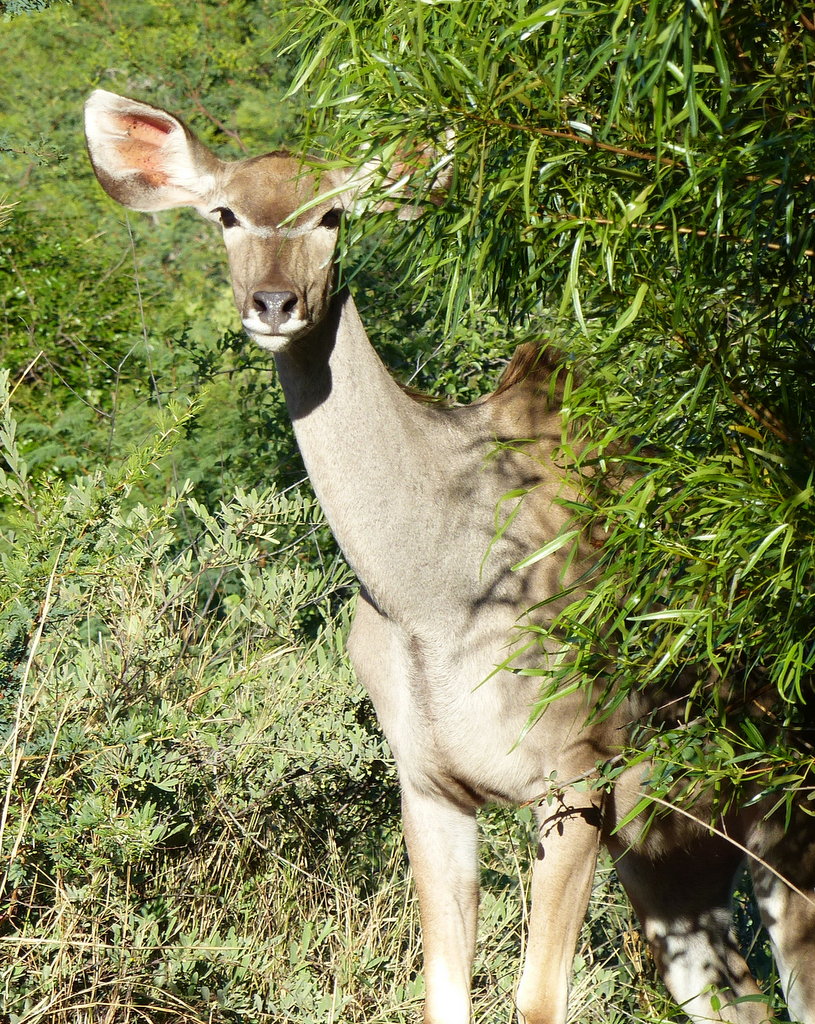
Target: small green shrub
[173, 736]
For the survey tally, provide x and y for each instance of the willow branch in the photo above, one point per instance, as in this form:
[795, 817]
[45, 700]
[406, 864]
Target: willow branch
[694, 232]
[554, 133]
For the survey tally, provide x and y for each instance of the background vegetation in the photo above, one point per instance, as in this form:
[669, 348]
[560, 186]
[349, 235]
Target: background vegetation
[197, 816]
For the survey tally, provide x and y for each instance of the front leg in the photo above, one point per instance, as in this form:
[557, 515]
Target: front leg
[442, 843]
[441, 834]
[562, 877]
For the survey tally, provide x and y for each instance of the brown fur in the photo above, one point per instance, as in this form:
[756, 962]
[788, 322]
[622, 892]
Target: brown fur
[530, 359]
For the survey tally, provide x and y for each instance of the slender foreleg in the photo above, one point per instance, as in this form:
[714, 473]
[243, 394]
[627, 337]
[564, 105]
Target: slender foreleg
[441, 835]
[442, 842]
[561, 885]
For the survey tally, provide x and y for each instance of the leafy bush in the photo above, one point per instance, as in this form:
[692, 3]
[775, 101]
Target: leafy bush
[635, 181]
[169, 729]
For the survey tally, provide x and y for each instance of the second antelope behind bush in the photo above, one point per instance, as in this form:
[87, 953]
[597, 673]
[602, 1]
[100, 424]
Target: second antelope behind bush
[410, 489]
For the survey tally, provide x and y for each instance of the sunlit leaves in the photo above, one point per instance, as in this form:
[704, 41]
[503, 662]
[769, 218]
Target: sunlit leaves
[635, 180]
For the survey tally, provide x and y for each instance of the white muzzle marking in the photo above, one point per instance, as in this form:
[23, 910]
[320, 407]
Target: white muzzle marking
[274, 341]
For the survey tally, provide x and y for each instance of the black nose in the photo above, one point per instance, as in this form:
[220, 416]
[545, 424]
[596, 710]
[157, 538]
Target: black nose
[275, 308]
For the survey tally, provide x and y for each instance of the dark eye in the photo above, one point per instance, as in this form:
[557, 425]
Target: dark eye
[331, 219]
[228, 218]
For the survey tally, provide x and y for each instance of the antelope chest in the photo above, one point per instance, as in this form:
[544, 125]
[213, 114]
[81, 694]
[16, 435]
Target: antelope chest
[454, 723]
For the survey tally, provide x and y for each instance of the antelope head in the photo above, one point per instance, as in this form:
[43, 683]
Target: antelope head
[279, 214]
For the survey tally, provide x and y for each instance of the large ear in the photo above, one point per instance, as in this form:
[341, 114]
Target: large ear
[144, 157]
[405, 178]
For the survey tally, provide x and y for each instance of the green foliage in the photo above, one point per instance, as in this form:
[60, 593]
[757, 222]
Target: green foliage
[197, 817]
[57, 327]
[575, 125]
[169, 726]
[635, 181]
[102, 319]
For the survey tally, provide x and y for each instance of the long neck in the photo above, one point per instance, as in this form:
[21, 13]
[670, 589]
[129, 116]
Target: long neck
[383, 466]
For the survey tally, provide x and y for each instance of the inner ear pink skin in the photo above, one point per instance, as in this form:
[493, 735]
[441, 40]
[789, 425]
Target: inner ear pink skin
[146, 128]
[142, 146]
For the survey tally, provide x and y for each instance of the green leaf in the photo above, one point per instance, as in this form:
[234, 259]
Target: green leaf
[548, 549]
[630, 315]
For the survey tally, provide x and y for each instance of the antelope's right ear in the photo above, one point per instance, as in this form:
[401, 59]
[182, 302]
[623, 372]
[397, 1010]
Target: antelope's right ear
[407, 178]
[144, 157]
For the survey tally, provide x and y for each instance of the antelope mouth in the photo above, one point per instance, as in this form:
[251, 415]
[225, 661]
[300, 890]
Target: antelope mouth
[277, 337]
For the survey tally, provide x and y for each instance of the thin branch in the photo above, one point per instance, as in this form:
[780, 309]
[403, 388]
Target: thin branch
[734, 842]
[693, 232]
[195, 96]
[592, 143]
[554, 133]
[764, 417]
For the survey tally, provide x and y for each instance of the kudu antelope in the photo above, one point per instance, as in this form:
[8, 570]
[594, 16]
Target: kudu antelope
[410, 490]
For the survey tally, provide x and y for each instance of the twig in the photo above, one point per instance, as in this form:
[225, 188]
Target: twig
[763, 417]
[195, 96]
[12, 742]
[695, 232]
[554, 133]
[734, 842]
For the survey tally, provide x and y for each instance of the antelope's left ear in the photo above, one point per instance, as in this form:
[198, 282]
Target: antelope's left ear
[404, 178]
